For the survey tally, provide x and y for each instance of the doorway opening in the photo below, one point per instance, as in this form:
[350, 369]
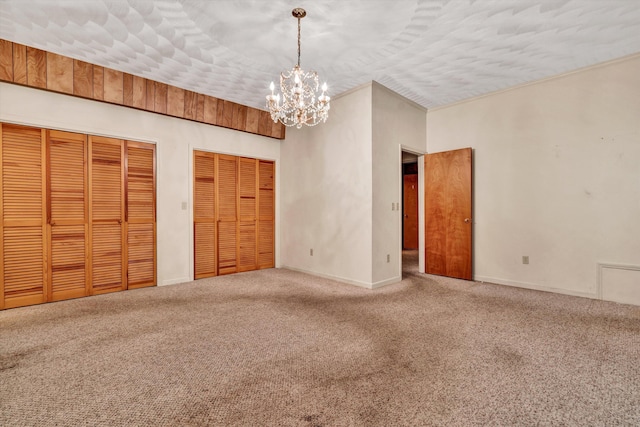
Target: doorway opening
[410, 230]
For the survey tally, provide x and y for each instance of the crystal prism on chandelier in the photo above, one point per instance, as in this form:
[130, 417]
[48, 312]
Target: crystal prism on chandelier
[301, 103]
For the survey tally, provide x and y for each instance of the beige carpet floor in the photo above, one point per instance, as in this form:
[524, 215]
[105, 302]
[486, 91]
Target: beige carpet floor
[277, 347]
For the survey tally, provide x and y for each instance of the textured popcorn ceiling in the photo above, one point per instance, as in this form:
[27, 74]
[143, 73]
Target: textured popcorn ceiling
[433, 52]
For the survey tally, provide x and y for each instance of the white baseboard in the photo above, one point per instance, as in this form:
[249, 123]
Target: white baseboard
[386, 282]
[175, 281]
[533, 286]
[329, 276]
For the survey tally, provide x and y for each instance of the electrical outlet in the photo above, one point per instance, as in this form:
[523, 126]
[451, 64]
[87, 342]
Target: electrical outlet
[388, 258]
[311, 252]
[525, 259]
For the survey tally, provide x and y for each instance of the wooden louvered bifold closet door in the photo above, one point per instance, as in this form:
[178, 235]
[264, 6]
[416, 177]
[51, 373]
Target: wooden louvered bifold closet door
[204, 214]
[266, 214]
[227, 186]
[248, 214]
[140, 214]
[106, 195]
[233, 214]
[77, 215]
[68, 214]
[23, 250]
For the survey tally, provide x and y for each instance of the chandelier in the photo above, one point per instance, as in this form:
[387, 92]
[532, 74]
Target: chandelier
[301, 104]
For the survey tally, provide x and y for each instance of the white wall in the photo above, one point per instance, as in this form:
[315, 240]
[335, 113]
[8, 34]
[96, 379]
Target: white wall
[175, 140]
[556, 177]
[339, 181]
[397, 123]
[326, 193]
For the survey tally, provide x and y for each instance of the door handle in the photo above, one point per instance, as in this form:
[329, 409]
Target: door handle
[467, 220]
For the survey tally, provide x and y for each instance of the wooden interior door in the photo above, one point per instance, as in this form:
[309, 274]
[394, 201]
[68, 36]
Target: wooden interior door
[410, 207]
[106, 195]
[140, 216]
[227, 184]
[68, 214]
[266, 214]
[448, 190]
[247, 215]
[204, 215]
[23, 252]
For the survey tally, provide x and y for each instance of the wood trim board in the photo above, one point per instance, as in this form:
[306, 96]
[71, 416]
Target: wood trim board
[37, 68]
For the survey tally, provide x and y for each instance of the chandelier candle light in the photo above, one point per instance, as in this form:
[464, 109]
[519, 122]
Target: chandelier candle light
[300, 103]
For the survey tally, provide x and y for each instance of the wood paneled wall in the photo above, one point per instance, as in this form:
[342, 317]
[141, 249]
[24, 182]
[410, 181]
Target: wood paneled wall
[45, 70]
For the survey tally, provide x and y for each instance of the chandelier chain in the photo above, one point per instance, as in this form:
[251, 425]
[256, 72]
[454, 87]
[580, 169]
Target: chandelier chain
[298, 42]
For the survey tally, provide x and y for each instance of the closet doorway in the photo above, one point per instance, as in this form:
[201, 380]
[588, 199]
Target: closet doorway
[77, 215]
[233, 214]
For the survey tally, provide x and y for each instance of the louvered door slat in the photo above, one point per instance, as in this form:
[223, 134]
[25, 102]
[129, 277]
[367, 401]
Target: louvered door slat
[22, 224]
[140, 182]
[227, 185]
[266, 190]
[266, 214]
[141, 224]
[107, 200]
[204, 214]
[247, 189]
[266, 243]
[106, 176]
[107, 258]
[140, 252]
[67, 180]
[247, 246]
[227, 250]
[68, 271]
[266, 204]
[205, 249]
[69, 217]
[22, 191]
[204, 186]
[23, 266]
[267, 172]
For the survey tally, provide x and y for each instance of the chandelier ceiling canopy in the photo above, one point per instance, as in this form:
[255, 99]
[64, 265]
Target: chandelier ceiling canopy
[302, 104]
